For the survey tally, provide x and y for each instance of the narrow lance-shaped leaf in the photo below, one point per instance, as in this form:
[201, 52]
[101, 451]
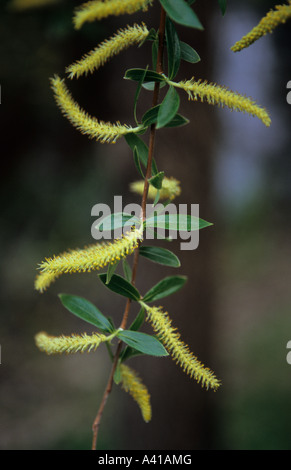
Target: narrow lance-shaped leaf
[173, 48]
[188, 53]
[135, 326]
[137, 93]
[85, 310]
[117, 374]
[168, 108]
[157, 180]
[167, 286]
[150, 86]
[136, 142]
[116, 221]
[111, 270]
[121, 286]
[179, 222]
[178, 121]
[143, 342]
[151, 117]
[180, 12]
[127, 270]
[138, 321]
[160, 255]
[222, 4]
[136, 159]
[155, 48]
[142, 74]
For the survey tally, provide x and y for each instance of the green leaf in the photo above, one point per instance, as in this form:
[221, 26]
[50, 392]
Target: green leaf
[157, 198]
[137, 323]
[144, 343]
[167, 286]
[155, 48]
[134, 141]
[135, 326]
[150, 86]
[85, 310]
[142, 74]
[129, 352]
[127, 270]
[188, 53]
[180, 12]
[179, 222]
[121, 286]
[117, 373]
[168, 108]
[178, 121]
[137, 93]
[157, 180]
[136, 160]
[110, 271]
[173, 48]
[223, 5]
[150, 117]
[152, 36]
[117, 220]
[160, 256]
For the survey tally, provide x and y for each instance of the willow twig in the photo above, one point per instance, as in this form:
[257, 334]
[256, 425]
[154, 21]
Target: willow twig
[159, 68]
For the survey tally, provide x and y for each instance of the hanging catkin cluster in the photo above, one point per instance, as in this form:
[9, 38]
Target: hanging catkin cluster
[166, 339]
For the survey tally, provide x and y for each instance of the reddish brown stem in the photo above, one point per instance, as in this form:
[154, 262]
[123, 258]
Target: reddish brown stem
[159, 68]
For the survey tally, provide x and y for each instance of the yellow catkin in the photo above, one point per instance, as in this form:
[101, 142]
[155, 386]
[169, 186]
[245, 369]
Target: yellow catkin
[88, 125]
[44, 280]
[68, 344]
[266, 26]
[132, 384]
[21, 5]
[123, 39]
[170, 189]
[222, 96]
[93, 257]
[98, 9]
[171, 339]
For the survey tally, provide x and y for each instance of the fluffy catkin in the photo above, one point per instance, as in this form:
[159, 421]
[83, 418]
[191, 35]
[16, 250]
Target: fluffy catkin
[123, 39]
[98, 9]
[266, 26]
[171, 339]
[221, 96]
[68, 344]
[132, 384]
[88, 125]
[93, 257]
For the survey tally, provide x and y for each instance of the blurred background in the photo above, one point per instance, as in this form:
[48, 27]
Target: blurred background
[234, 311]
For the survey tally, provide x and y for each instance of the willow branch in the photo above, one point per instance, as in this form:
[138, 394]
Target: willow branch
[159, 69]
